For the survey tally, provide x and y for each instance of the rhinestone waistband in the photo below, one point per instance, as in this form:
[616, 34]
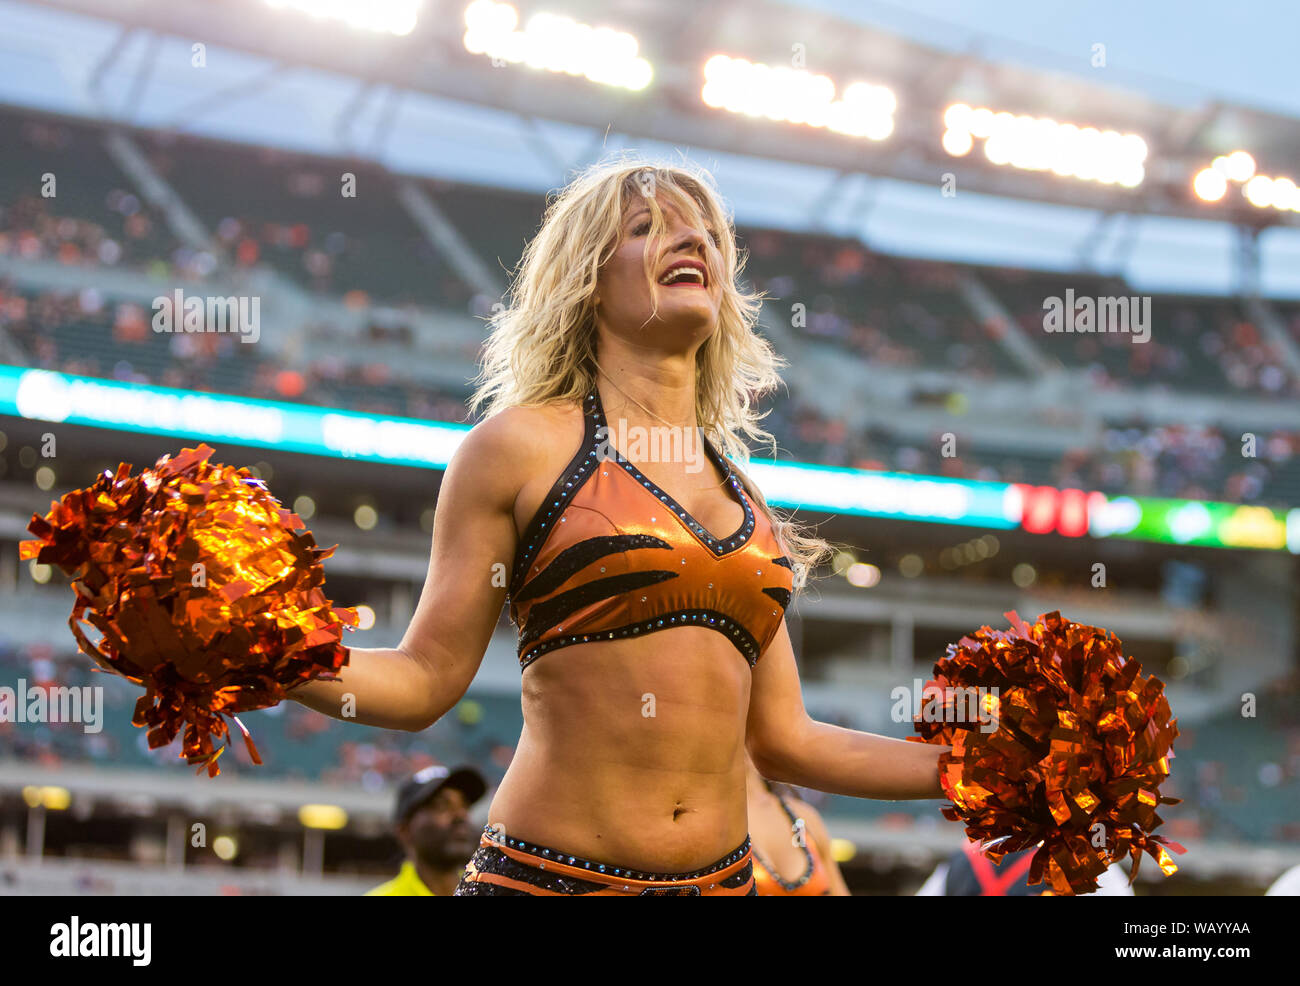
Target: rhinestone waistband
[547, 854]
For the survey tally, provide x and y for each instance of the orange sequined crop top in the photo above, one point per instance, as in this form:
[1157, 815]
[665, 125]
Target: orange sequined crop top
[610, 555]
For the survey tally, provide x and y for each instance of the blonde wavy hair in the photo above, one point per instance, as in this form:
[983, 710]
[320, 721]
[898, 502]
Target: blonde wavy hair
[541, 345]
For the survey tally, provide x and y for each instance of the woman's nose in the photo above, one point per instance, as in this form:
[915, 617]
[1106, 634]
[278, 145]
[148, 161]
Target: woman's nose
[684, 234]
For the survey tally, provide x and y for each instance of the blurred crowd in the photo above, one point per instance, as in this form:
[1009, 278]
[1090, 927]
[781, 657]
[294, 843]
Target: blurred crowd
[1202, 345]
[1238, 777]
[131, 236]
[83, 333]
[888, 311]
[893, 311]
[292, 740]
[1129, 458]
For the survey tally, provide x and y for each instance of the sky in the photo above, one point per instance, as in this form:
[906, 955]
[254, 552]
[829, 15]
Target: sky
[1175, 50]
[1152, 46]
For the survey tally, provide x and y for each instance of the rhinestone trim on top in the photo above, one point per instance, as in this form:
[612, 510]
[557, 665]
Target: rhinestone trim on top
[719, 546]
[742, 639]
[575, 474]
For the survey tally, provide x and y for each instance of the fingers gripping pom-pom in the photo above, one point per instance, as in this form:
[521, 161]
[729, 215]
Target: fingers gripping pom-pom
[1081, 745]
[206, 591]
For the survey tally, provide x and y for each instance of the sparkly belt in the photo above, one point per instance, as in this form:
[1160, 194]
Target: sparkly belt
[545, 871]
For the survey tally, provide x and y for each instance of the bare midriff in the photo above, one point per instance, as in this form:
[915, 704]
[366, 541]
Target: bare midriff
[632, 752]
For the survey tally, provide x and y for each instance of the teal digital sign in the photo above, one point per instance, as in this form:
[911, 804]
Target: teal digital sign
[192, 416]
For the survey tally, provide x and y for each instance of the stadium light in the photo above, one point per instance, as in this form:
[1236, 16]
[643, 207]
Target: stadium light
[322, 817]
[1264, 192]
[798, 96]
[842, 561]
[225, 847]
[1024, 575]
[365, 617]
[843, 850]
[383, 16]
[1261, 191]
[1042, 144]
[1284, 194]
[1237, 166]
[958, 143]
[1210, 185]
[910, 566]
[862, 575]
[555, 43]
[50, 797]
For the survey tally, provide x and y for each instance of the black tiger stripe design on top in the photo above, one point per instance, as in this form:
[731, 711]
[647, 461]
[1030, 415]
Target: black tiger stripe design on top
[547, 614]
[577, 557]
[781, 595]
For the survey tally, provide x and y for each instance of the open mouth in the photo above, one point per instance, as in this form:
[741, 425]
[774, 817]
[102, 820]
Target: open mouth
[685, 273]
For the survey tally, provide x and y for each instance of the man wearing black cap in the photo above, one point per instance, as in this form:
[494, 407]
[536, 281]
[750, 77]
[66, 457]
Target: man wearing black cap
[431, 821]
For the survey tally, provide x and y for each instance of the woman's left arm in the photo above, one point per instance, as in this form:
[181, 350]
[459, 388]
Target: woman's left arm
[787, 745]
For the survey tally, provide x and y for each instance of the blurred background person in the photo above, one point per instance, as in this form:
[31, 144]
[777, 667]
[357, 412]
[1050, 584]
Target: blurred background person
[969, 873]
[791, 847]
[431, 821]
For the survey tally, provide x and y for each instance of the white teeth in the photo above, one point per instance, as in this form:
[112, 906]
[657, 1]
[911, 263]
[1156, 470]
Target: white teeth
[681, 274]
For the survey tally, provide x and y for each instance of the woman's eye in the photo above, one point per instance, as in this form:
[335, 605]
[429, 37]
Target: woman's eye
[643, 227]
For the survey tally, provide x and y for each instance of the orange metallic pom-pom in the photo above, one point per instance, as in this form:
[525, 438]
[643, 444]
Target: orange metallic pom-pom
[1058, 742]
[208, 594]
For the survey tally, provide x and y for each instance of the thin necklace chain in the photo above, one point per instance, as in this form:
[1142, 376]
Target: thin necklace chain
[726, 470]
[629, 396]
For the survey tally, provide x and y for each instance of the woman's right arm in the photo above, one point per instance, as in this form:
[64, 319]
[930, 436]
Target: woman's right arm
[414, 684]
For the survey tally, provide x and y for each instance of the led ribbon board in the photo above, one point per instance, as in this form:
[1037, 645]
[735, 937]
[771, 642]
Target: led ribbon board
[192, 416]
[42, 395]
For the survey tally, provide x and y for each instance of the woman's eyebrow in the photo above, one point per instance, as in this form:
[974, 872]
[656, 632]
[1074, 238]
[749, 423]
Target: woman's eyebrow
[645, 210]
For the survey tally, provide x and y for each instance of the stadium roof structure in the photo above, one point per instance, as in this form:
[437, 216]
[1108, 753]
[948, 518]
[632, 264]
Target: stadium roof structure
[678, 36]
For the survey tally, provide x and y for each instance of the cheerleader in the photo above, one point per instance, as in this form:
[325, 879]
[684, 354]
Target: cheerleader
[789, 842]
[645, 572]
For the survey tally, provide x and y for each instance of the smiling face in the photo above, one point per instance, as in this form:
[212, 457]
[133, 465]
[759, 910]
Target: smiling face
[660, 286]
